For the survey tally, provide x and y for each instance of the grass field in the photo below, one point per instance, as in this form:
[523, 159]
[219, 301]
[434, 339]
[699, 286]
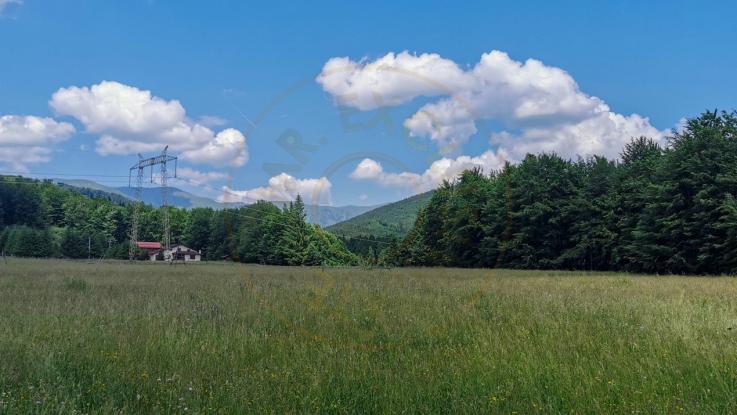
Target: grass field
[223, 338]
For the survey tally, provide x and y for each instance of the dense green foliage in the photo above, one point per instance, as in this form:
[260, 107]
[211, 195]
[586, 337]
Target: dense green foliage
[39, 218]
[392, 220]
[142, 338]
[659, 210]
[371, 233]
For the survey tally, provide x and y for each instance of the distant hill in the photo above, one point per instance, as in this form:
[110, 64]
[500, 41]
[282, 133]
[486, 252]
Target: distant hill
[394, 219]
[89, 184]
[177, 197]
[94, 193]
[151, 195]
[321, 215]
[329, 215]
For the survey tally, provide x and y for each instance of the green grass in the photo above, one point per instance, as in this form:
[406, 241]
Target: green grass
[224, 338]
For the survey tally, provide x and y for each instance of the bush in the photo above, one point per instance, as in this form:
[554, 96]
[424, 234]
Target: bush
[28, 242]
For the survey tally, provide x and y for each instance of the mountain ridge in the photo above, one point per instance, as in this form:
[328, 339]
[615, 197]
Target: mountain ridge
[390, 220]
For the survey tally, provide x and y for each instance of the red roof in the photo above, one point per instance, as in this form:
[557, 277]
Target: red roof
[149, 245]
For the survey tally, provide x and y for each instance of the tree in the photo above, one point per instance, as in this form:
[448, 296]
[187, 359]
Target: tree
[293, 244]
[198, 233]
[24, 241]
[74, 244]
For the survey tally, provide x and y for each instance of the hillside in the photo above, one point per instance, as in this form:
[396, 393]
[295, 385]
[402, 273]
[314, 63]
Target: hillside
[177, 197]
[329, 215]
[394, 219]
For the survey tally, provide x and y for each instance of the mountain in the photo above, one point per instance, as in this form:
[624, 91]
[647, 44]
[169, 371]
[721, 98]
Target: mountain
[394, 219]
[89, 184]
[176, 197]
[330, 215]
[321, 215]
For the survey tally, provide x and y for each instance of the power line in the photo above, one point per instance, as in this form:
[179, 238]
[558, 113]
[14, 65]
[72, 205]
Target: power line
[140, 167]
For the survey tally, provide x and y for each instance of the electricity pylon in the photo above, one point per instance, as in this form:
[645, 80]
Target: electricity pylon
[140, 167]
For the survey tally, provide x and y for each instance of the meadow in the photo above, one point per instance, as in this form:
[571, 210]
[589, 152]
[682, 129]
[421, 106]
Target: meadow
[116, 337]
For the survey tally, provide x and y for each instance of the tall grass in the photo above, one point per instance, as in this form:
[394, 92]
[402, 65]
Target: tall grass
[222, 338]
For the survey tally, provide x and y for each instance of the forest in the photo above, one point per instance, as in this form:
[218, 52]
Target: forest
[657, 209]
[668, 209]
[42, 219]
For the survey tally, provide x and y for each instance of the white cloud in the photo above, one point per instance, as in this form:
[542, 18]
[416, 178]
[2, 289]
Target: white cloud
[439, 170]
[228, 144]
[605, 134]
[199, 178]
[27, 139]
[32, 130]
[390, 80]
[283, 188]
[529, 98]
[131, 120]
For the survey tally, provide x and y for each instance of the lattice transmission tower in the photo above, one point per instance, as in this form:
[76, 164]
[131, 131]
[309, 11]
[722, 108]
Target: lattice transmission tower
[140, 168]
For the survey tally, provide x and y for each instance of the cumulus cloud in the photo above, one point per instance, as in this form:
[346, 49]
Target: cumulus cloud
[30, 130]
[390, 80]
[605, 134]
[228, 144]
[439, 170]
[131, 120]
[27, 139]
[529, 100]
[283, 188]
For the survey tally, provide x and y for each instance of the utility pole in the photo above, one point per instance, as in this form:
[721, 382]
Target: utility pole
[140, 167]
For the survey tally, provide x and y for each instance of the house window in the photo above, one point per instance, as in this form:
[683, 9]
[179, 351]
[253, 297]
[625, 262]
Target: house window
[191, 256]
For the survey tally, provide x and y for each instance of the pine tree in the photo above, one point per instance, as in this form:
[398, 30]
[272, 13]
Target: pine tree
[293, 244]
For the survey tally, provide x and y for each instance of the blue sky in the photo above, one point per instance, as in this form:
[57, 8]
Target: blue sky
[250, 79]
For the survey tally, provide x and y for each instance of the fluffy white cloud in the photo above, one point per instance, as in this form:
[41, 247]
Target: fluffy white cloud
[530, 98]
[228, 144]
[32, 130]
[283, 188]
[27, 139]
[439, 170]
[605, 134]
[131, 120]
[390, 80]
[199, 178]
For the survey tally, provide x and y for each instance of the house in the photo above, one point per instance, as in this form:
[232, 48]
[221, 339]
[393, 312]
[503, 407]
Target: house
[178, 253]
[152, 248]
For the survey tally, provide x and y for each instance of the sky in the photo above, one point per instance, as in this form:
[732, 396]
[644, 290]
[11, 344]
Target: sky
[342, 102]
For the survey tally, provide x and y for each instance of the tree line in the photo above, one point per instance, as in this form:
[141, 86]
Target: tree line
[668, 209]
[42, 219]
